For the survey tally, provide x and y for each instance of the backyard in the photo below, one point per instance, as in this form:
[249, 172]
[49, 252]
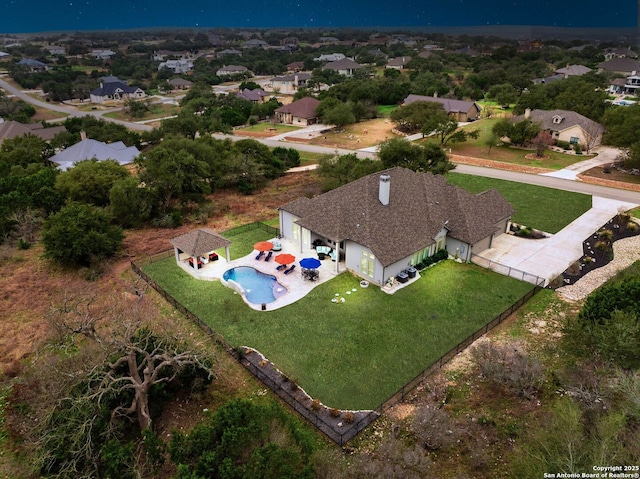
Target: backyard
[355, 354]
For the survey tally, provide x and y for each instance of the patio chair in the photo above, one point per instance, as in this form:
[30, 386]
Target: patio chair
[281, 267]
[287, 271]
[260, 255]
[268, 257]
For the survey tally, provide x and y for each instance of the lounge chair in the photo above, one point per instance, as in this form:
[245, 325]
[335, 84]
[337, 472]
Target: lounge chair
[268, 257]
[260, 255]
[287, 271]
[281, 267]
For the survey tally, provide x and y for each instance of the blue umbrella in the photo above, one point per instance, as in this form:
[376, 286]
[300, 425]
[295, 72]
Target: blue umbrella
[310, 263]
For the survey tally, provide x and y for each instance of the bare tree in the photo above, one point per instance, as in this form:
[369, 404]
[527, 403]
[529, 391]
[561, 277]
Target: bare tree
[592, 132]
[541, 141]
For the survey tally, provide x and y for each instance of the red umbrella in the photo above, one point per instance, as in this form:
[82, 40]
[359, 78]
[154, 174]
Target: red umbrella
[263, 246]
[285, 258]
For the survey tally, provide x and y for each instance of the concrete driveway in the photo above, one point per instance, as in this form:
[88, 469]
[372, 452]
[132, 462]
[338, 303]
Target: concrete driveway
[549, 257]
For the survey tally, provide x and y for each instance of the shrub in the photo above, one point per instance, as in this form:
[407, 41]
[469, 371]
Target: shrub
[333, 412]
[348, 417]
[315, 405]
[632, 226]
[565, 145]
[578, 149]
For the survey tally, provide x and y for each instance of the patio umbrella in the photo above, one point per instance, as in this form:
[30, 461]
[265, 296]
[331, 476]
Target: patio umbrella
[285, 258]
[310, 263]
[263, 246]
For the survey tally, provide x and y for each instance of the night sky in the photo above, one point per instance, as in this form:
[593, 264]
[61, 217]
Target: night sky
[21, 16]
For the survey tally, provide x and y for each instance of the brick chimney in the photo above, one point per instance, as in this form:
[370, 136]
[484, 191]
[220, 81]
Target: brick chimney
[384, 189]
[83, 135]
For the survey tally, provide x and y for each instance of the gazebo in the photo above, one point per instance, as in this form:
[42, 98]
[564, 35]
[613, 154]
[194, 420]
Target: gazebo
[198, 247]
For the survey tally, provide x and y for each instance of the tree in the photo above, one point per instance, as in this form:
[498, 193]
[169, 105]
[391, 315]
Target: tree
[130, 203]
[622, 126]
[416, 115]
[90, 181]
[80, 235]
[427, 158]
[136, 108]
[339, 115]
[339, 170]
[503, 94]
[541, 142]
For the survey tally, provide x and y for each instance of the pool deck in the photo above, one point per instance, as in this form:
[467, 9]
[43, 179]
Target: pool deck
[297, 286]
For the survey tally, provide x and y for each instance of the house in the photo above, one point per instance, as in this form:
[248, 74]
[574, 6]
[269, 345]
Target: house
[33, 65]
[573, 70]
[398, 63]
[254, 96]
[345, 67]
[301, 112]
[56, 50]
[625, 66]
[12, 129]
[566, 126]
[460, 110]
[255, 43]
[197, 247]
[232, 70]
[177, 66]
[102, 54]
[628, 86]
[228, 52]
[549, 79]
[162, 55]
[88, 149]
[620, 53]
[295, 66]
[290, 83]
[115, 91]
[385, 222]
[330, 57]
[180, 84]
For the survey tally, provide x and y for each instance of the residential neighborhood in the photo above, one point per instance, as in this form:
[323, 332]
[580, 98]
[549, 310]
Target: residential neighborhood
[318, 252]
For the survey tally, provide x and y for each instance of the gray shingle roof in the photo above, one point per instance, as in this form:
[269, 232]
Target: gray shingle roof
[419, 206]
[199, 242]
[112, 87]
[303, 108]
[567, 119]
[344, 64]
[89, 149]
[450, 105]
[621, 65]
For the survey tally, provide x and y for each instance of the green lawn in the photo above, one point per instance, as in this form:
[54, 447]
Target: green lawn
[477, 148]
[385, 110]
[261, 127]
[352, 355]
[546, 209]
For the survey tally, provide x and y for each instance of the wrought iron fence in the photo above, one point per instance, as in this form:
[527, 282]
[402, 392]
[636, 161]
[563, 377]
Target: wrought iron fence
[507, 270]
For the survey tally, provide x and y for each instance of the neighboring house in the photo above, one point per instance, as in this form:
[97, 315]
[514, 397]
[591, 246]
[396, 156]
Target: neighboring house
[301, 112]
[116, 91]
[255, 43]
[180, 84]
[229, 52]
[384, 222]
[56, 50]
[468, 51]
[425, 54]
[620, 53]
[162, 55]
[102, 54]
[295, 66]
[345, 67]
[331, 57]
[254, 96]
[88, 149]
[4, 55]
[12, 129]
[290, 83]
[549, 79]
[33, 65]
[460, 110]
[232, 70]
[177, 66]
[625, 66]
[111, 79]
[566, 126]
[398, 63]
[573, 70]
[628, 86]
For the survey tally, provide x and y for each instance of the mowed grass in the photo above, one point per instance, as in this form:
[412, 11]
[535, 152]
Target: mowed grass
[275, 129]
[353, 355]
[546, 209]
[477, 148]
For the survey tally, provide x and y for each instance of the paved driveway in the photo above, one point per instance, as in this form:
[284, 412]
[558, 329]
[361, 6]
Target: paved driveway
[549, 257]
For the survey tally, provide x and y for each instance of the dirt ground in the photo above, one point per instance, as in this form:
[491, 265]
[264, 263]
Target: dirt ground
[356, 136]
[30, 285]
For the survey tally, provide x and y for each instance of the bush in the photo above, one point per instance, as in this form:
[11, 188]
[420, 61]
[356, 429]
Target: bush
[565, 145]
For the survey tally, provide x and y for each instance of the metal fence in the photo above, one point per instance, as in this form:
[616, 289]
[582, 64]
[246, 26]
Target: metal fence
[253, 226]
[507, 270]
[347, 431]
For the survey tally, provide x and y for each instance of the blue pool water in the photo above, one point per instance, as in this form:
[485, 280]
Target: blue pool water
[259, 287]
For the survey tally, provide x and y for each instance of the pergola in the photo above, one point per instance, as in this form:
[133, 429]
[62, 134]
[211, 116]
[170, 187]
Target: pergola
[200, 243]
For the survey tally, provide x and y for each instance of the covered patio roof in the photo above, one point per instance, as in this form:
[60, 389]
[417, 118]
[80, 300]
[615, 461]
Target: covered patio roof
[199, 242]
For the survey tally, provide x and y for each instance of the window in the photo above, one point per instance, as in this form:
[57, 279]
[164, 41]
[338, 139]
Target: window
[296, 232]
[367, 264]
[574, 140]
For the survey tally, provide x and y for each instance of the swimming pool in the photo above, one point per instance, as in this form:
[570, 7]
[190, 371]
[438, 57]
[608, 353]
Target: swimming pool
[258, 288]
